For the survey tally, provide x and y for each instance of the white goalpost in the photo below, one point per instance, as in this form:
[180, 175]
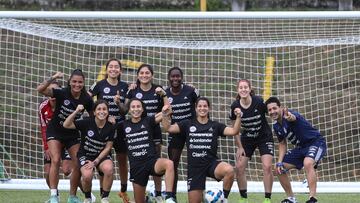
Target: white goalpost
[307, 59]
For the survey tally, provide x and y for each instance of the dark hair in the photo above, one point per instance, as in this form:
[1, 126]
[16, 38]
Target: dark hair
[77, 72]
[100, 101]
[144, 114]
[107, 64]
[273, 100]
[141, 67]
[203, 99]
[252, 93]
[175, 68]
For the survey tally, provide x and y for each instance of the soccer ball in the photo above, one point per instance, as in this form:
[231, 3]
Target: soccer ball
[214, 196]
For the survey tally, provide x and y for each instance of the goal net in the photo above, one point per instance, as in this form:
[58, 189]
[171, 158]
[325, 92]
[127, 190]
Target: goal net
[315, 70]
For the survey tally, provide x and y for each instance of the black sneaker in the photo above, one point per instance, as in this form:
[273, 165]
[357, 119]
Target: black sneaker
[287, 201]
[312, 200]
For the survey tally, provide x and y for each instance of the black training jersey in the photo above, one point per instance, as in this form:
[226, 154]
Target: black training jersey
[253, 121]
[201, 140]
[65, 105]
[153, 102]
[139, 139]
[93, 139]
[104, 90]
[183, 104]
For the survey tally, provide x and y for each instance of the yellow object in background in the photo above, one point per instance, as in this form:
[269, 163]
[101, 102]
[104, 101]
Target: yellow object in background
[269, 72]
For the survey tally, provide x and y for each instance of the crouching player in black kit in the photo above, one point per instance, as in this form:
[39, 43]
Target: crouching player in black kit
[138, 133]
[97, 136]
[202, 141]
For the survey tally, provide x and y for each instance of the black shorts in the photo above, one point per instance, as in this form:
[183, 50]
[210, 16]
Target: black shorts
[64, 156]
[176, 141]
[197, 175]
[157, 135]
[67, 140]
[265, 147]
[83, 159]
[140, 173]
[120, 145]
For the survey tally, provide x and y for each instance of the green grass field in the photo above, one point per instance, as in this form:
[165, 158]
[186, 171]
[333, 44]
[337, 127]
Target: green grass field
[36, 196]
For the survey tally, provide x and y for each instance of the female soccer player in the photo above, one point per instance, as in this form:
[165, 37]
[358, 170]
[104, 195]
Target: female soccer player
[310, 147]
[147, 92]
[256, 133]
[67, 99]
[46, 111]
[97, 136]
[201, 134]
[113, 90]
[182, 99]
[138, 132]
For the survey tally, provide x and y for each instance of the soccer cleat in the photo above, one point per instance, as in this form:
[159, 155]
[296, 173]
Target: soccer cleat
[170, 200]
[267, 200]
[312, 200]
[73, 199]
[125, 198]
[105, 200]
[93, 198]
[53, 199]
[289, 201]
[87, 200]
[243, 200]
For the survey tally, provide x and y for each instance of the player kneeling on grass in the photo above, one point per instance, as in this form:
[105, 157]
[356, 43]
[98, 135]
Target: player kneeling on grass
[309, 149]
[97, 135]
[138, 133]
[202, 135]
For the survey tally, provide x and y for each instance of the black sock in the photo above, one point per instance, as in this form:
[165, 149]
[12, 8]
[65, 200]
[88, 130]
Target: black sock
[313, 199]
[226, 193]
[101, 191]
[243, 193]
[169, 195]
[268, 195]
[123, 187]
[105, 194]
[87, 194]
[157, 193]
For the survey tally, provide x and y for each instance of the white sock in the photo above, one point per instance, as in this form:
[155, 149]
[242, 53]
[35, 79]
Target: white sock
[53, 192]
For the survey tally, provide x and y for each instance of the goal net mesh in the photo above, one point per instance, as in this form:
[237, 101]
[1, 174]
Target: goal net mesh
[316, 72]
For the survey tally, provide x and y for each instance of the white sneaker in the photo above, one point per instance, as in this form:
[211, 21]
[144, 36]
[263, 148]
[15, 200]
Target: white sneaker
[158, 199]
[105, 200]
[170, 200]
[87, 200]
[93, 198]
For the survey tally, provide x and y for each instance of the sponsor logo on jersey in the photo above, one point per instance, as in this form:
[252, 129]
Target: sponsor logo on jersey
[211, 129]
[90, 133]
[170, 99]
[192, 129]
[127, 130]
[185, 97]
[106, 90]
[142, 126]
[66, 102]
[139, 95]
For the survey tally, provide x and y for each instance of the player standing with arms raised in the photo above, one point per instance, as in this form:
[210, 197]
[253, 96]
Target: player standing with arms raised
[67, 99]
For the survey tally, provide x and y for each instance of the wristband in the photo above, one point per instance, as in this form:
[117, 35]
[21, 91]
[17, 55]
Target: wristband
[280, 164]
[164, 95]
